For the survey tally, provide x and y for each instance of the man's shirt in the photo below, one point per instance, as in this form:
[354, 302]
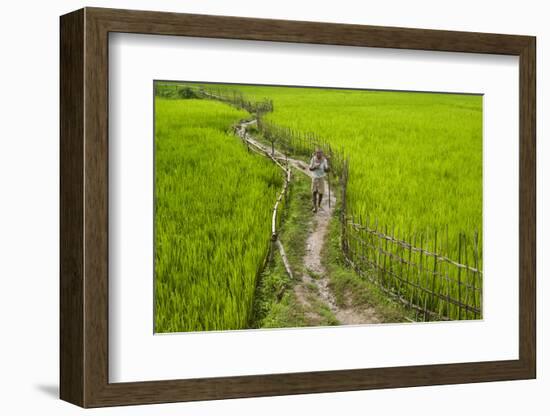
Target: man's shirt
[322, 165]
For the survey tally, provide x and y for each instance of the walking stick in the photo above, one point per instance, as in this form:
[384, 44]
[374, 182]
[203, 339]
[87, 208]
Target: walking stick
[328, 182]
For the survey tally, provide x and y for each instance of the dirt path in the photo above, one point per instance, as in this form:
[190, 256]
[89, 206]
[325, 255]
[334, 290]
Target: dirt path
[314, 284]
[316, 272]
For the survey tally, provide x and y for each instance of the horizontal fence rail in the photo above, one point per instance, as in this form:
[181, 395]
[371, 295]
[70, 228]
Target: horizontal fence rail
[404, 244]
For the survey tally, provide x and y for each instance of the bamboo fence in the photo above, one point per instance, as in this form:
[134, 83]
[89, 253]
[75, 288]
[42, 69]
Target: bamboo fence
[411, 266]
[295, 142]
[282, 198]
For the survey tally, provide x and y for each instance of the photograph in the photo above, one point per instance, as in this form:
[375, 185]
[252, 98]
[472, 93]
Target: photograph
[294, 206]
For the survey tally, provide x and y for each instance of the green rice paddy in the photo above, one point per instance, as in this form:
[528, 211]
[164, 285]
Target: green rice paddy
[213, 205]
[415, 173]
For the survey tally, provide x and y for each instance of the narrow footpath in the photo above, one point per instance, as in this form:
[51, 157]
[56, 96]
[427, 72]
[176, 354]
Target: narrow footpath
[313, 285]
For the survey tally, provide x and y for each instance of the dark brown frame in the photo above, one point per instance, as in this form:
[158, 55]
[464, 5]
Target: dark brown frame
[84, 207]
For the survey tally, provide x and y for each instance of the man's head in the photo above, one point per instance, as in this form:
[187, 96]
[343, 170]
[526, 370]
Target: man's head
[319, 153]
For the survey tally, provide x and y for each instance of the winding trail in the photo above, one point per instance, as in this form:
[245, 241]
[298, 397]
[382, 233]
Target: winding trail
[314, 284]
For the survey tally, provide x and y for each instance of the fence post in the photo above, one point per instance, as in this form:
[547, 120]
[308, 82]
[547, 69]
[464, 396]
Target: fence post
[400, 249]
[448, 278]
[384, 253]
[434, 271]
[421, 296]
[459, 277]
[391, 254]
[409, 260]
[343, 214]
[467, 271]
[476, 274]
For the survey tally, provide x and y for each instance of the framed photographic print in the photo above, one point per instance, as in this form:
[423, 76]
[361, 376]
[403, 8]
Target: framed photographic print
[255, 207]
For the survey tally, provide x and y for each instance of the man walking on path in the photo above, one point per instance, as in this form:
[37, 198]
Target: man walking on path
[319, 167]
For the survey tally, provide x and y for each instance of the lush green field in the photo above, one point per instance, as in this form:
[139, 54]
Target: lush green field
[415, 158]
[213, 204]
[415, 174]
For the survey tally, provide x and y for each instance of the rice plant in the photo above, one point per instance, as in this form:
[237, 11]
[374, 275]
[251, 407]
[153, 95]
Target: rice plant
[213, 204]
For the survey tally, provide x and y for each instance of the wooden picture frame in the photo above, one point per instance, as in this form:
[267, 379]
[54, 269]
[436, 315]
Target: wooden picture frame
[84, 207]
